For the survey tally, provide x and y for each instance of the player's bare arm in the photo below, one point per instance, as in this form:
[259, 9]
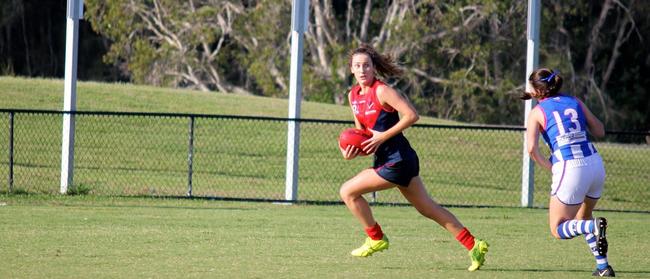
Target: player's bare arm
[390, 98]
[595, 127]
[532, 138]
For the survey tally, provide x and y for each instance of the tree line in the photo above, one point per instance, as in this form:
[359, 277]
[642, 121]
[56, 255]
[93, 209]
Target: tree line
[463, 60]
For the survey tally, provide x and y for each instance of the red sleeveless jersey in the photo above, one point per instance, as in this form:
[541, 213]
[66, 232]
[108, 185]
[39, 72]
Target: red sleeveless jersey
[394, 160]
[368, 110]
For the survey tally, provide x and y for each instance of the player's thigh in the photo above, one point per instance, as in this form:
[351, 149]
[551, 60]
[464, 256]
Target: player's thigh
[586, 209]
[364, 182]
[417, 195]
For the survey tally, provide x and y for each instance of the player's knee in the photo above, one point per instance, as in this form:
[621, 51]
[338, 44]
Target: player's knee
[344, 192]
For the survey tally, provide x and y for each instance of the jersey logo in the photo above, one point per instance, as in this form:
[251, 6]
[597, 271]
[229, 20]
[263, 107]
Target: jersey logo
[355, 109]
[571, 138]
[369, 109]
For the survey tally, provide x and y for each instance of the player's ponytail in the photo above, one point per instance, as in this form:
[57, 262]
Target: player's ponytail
[546, 82]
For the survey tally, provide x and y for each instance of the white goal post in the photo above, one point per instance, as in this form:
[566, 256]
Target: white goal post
[299, 16]
[74, 13]
[532, 56]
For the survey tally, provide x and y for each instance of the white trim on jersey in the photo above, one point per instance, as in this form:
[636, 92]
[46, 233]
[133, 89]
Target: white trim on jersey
[576, 150]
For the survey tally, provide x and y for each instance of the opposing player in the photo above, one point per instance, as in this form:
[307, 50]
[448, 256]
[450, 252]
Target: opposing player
[377, 108]
[578, 171]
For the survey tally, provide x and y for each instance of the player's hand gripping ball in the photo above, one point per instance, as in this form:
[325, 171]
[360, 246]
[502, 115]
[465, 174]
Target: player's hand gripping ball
[354, 137]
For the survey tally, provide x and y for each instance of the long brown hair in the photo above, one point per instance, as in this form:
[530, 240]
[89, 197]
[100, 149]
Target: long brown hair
[546, 82]
[384, 63]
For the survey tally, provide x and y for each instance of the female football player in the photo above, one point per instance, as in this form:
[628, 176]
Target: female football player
[578, 171]
[382, 111]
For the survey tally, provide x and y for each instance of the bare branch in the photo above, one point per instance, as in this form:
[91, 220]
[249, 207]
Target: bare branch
[628, 13]
[348, 17]
[593, 38]
[319, 40]
[363, 33]
[622, 36]
[600, 94]
[469, 24]
[384, 33]
[443, 81]
[327, 22]
[279, 78]
[157, 26]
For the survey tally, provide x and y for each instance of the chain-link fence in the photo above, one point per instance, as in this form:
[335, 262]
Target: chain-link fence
[150, 154]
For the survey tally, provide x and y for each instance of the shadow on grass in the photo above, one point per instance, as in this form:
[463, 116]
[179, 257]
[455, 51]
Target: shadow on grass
[581, 271]
[539, 270]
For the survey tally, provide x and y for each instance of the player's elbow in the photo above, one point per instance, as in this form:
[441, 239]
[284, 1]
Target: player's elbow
[416, 117]
[413, 117]
[596, 128]
[534, 155]
[531, 150]
[598, 132]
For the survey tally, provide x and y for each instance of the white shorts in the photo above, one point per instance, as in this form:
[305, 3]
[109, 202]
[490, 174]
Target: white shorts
[575, 179]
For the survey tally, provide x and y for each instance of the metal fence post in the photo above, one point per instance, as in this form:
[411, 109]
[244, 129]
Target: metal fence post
[11, 151]
[190, 154]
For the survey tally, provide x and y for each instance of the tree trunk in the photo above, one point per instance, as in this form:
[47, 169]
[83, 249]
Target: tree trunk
[363, 32]
[593, 38]
[21, 8]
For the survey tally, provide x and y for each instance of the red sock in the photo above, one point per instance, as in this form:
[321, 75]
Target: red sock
[466, 238]
[375, 232]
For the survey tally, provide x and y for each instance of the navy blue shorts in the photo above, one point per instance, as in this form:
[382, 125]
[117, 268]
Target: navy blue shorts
[400, 172]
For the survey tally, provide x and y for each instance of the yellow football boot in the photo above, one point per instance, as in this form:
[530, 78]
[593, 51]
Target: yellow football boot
[477, 254]
[371, 246]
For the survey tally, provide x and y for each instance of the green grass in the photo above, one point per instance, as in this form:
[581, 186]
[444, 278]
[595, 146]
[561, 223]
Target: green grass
[99, 237]
[47, 94]
[246, 158]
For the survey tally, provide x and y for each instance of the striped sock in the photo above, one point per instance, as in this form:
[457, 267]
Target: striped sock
[572, 228]
[601, 261]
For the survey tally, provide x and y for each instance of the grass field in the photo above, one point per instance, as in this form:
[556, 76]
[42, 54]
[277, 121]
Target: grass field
[99, 237]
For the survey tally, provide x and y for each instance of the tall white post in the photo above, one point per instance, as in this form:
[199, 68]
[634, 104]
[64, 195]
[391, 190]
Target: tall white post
[532, 56]
[74, 13]
[299, 16]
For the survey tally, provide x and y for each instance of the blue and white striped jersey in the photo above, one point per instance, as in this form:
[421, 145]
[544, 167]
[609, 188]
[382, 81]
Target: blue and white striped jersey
[565, 128]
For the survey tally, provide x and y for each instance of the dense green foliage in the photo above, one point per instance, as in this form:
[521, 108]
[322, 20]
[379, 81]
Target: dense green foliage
[464, 59]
